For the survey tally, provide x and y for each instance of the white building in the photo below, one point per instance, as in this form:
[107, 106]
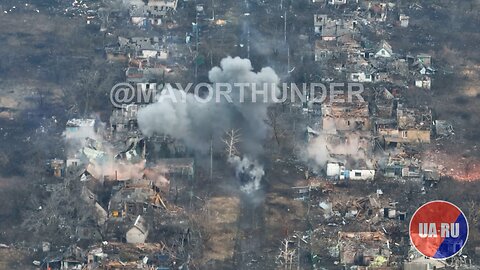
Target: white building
[425, 82]
[337, 2]
[384, 50]
[404, 20]
[364, 174]
[336, 170]
[361, 76]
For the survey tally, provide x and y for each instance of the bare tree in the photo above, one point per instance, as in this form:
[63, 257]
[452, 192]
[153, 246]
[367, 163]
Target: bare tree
[58, 216]
[231, 140]
[273, 120]
[88, 81]
[473, 212]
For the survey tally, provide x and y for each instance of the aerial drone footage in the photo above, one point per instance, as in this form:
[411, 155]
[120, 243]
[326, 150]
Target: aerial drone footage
[247, 134]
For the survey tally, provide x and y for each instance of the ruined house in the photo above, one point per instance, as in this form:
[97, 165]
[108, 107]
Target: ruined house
[57, 167]
[362, 73]
[403, 20]
[133, 199]
[138, 233]
[385, 104]
[78, 133]
[325, 50]
[71, 259]
[124, 119]
[137, 48]
[144, 16]
[378, 11]
[424, 82]
[364, 248]
[413, 125]
[154, 13]
[346, 116]
[135, 75]
[402, 165]
[337, 2]
[332, 29]
[122, 256]
[91, 200]
[425, 59]
[399, 67]
[147, 57]
[178, 167]
[422, 70]
[76, 126]
[384, 50]
[163, 4]
[443, 128]
[319, 20]
[134, 151]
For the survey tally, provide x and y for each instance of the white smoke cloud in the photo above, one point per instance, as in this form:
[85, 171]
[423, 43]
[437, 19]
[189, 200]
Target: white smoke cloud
[249, 172]
[196, 123]
[327, 147]
[181, 117]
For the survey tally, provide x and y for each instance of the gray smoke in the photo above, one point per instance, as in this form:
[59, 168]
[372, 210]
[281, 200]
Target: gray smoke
[249, 172]
[249, 117]
[181, 117]
[197, 123]
[322, 148]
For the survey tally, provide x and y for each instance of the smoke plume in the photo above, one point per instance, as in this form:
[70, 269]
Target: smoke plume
[250, 173]
[88, 144]
[331, 145]
[197, 123]
[324, 148]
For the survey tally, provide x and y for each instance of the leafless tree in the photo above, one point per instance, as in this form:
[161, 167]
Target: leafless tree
[273, 120]
[473, 212]
[231, 140]
[57, 217]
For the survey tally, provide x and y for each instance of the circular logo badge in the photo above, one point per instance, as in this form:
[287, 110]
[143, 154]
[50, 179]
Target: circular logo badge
[438, 229]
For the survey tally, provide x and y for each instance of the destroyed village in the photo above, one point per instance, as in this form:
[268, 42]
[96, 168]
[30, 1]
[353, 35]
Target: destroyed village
[239, 134]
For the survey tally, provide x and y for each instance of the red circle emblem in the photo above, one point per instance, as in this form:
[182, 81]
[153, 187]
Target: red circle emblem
[438, 230]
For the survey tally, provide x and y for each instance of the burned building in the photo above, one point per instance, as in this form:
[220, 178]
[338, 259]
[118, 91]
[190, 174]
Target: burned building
[76, 126]
[57, 167]
[152, 14]
[412, 126]
[398, 166]
[385, 104]
[134, 198]
[364, 248]
[325, 51]
[329, 29]
[124, 120]
[178, 167]
[346, 116]
[79, 134]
